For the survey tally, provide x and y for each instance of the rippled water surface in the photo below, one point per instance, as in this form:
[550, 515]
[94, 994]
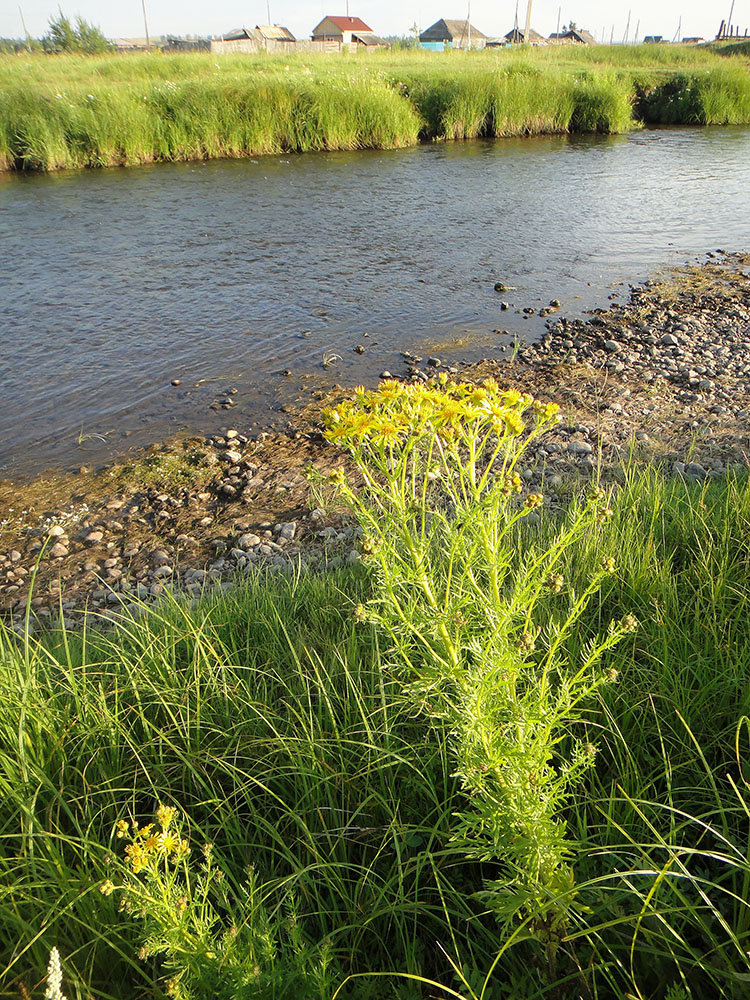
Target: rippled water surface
[116, 282]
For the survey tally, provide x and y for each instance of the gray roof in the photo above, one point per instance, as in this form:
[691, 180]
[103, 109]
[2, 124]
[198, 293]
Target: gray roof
[575, 35]
[368, 38]
[447, 30]
[238, 33]
[516, 35]
[275, 32]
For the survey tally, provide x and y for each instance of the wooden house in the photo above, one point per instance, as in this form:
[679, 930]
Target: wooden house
[573, 36]
[275, 33]
[516, 37]
[350, 31]
[452, 34]
[242, 34]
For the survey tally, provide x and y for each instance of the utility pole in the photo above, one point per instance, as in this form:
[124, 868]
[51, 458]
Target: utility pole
[627, 30]
[679, 29]
[612, 35]
[268, 11]
[25, 29]
[637, 29]
[527, 32]
[145, 24]
[559, 12]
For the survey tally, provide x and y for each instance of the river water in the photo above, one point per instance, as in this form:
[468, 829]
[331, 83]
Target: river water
[224, 274]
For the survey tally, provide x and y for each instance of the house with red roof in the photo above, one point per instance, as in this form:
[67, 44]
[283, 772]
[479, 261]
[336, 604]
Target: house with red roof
[346, 31]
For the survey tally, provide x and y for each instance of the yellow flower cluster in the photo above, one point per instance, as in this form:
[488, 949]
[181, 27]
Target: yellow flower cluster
[395, 411]
[149, 844]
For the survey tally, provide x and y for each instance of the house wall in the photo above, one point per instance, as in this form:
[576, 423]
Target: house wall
[433, 46]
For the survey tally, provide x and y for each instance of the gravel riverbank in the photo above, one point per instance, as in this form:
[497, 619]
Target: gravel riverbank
[664, 378]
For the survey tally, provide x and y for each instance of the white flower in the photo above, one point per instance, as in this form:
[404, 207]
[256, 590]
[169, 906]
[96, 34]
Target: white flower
[54, 977]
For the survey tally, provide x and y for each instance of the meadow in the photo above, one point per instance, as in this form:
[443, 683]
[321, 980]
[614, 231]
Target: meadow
[504, 756]
[89, 111]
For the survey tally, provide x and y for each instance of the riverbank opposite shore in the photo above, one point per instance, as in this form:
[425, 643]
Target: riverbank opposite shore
[664, 378]
[123, 110]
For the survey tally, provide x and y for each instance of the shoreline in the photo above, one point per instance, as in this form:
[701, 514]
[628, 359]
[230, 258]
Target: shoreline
[69, 113]
[663, 379]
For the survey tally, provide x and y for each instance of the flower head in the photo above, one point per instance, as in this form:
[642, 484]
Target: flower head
[54, 977]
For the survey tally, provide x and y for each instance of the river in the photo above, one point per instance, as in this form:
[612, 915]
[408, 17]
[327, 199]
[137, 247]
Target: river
[222, 275]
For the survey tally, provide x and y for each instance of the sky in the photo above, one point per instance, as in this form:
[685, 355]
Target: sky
[124, 18]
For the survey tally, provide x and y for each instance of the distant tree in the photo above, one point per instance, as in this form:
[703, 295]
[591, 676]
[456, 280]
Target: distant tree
[63, 36]
[571, 27]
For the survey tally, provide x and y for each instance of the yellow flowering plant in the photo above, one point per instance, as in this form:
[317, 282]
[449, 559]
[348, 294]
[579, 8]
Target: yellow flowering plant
[478, 617]
[214, 939]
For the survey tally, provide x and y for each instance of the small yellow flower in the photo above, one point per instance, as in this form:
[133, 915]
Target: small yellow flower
[121, 828]
[534, 500]
[165, 815]
[514, 423]
[136, 858]
[168, 841]
[107, 888]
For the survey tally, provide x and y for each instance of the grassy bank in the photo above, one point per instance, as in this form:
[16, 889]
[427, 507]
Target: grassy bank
[72, 111]
[278, 724]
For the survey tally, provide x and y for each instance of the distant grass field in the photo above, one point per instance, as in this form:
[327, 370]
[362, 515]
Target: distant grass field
[76, 111]
[275, 719]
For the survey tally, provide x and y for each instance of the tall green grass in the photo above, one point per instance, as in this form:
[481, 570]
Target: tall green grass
[77, 111]
[273, 718]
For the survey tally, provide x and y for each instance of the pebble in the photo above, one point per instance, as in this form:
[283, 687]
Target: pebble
[580, 447]
[93, 537]
[248, 541]
[58, 551]
[695, 470]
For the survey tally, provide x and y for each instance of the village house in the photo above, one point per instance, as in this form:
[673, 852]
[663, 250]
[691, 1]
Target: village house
[240, 34]
[261, 38]
[260, 33]
[351, 31]
[516, 37]
[275, 33]
[573, 36]
[452, 34]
